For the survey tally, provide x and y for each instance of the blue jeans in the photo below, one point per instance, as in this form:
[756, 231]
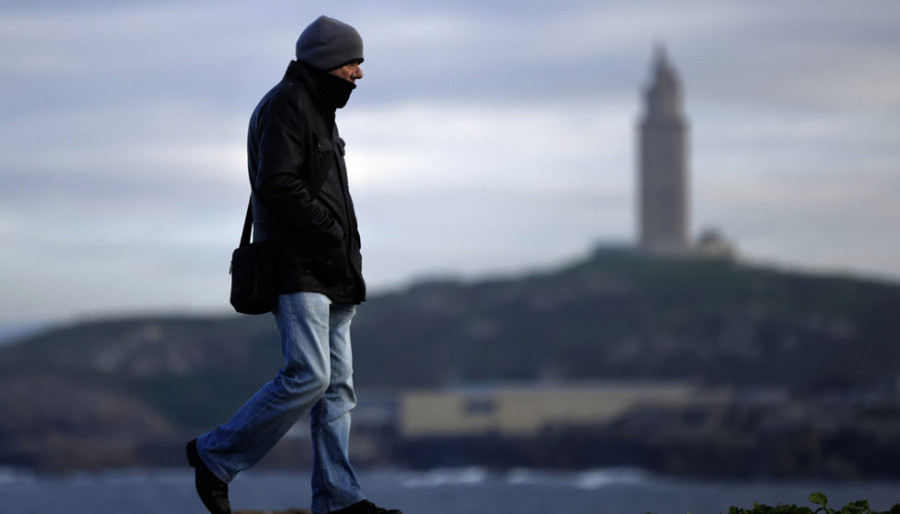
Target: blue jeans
[317, 377]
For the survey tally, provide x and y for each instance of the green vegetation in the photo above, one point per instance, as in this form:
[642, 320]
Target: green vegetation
[857, 507]
[817, 498]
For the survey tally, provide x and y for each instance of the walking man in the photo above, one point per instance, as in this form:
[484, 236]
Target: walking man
[301, 204]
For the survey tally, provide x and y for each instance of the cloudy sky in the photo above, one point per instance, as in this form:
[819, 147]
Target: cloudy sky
[486, 137]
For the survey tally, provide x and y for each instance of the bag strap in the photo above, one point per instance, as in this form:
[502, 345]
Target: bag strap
[248, 223]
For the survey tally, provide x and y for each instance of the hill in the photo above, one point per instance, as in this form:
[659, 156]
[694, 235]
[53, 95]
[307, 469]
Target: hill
[624, 315]
[119, 391]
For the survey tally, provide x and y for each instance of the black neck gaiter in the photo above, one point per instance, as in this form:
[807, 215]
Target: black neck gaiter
[337, 89]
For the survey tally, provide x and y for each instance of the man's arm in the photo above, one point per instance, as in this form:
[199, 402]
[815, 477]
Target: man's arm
[278, 181]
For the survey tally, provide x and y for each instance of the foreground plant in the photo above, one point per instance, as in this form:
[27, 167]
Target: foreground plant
[857, 507]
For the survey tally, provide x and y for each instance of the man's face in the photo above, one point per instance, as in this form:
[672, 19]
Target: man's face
[350, 71]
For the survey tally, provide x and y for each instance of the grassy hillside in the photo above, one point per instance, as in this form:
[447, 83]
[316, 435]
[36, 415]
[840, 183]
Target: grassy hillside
[617, 314]
[623, 315]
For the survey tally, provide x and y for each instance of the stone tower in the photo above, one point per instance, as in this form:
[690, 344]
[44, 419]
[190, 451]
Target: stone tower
[663, 167]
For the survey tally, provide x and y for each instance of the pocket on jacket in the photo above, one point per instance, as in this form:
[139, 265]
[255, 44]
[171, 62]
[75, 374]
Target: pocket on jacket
[323, 144]
[324, 161]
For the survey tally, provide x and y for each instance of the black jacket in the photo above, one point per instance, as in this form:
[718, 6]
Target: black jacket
[301, 201]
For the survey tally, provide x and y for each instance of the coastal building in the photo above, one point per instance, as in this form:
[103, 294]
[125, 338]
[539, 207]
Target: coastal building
[517, 410]
[715, 245]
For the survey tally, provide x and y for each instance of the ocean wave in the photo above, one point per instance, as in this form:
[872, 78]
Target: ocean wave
[473, 476]
[595, 479]
[587, 479]
[10, 475]
[444, 477]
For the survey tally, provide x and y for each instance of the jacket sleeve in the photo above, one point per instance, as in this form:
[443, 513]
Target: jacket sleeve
[279, 183]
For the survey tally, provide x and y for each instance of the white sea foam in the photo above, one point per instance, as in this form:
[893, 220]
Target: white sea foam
[589, 479]
[474, 476]
[594, 479]
[530, 476]
[10, 475]
[444, 477]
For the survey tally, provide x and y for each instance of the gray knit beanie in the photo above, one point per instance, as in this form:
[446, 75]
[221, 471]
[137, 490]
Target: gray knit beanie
[327, 44]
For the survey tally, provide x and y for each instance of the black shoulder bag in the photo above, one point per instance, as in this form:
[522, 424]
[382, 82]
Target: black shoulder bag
[252, 273]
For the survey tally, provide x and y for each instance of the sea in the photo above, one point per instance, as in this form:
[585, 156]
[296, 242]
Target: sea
[440, 491]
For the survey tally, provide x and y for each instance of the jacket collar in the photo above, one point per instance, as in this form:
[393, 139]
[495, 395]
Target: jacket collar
[307, 76]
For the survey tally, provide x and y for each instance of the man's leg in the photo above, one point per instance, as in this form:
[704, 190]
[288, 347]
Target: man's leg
[303, 322]
[334, 483]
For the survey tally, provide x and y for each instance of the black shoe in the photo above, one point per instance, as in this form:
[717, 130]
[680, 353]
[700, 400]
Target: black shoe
[212, 491]
[365, 507]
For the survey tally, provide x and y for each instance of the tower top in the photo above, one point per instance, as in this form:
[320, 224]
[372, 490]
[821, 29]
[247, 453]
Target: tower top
[664, 93]
[660, 55]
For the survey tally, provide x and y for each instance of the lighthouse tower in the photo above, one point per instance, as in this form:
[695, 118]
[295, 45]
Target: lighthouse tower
[663, 164]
